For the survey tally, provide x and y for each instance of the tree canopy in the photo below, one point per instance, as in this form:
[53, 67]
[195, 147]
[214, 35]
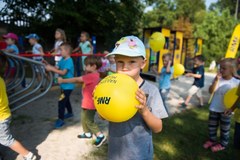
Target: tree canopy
[111, 19]
[215, 25]
[106, 19]
[216, 30]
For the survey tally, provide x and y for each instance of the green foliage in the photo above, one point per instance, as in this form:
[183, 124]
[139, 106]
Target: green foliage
[106, 19]
[182, 138]
[216, 30]
[223, 4]
[165, 12]
[214, 26]
[188, 10]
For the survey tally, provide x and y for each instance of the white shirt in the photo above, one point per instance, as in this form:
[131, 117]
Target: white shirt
[36, 50]
[217, 104]
[57, 50]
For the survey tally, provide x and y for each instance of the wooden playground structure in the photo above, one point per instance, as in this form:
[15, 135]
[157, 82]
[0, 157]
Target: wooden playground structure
[182, 49]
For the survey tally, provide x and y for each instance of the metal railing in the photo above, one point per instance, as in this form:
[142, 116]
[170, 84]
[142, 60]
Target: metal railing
[37, 86]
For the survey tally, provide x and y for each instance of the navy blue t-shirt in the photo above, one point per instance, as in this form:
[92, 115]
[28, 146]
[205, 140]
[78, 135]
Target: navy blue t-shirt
[199, 82]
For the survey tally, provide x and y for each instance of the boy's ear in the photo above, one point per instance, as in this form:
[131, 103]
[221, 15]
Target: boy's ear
[95, 66]
[144, 62]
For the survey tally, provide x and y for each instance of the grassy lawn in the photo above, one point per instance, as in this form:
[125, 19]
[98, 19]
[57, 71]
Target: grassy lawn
[182, 139]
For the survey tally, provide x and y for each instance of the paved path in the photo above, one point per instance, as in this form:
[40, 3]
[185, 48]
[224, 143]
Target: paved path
[33, 124]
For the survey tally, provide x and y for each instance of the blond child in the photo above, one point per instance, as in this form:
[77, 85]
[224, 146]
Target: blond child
[221, 84]
[165, 77]
[60, 37]
[85, 46]
[132, 139]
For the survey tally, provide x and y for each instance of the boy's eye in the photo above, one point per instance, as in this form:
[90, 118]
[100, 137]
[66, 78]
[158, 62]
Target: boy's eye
[132, 62]
[119, 62]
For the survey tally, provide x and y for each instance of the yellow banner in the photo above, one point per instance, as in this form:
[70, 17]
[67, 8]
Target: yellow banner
[234, 43]
[199, 44]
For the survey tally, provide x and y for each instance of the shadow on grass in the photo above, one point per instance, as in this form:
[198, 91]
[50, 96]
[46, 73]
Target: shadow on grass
[183, 136]
[181, 139]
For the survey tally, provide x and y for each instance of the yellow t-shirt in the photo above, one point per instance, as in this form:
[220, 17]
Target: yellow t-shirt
[237, 110]
[4, 108]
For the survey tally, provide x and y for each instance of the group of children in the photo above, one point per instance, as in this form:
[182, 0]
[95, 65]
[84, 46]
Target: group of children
[132, 139]
[226, 79]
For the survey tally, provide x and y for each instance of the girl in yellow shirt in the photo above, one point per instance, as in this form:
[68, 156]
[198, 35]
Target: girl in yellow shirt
[6, 137]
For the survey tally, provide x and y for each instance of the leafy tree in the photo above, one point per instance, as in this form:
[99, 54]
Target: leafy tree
[106, 19]
[165, 12]
[223, 4]
[188, 10]
[216, 30]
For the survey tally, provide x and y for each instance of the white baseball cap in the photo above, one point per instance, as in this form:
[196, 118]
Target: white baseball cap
[130, 46]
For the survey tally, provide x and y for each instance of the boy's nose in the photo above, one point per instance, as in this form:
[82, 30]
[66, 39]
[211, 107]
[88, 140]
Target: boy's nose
[125, 66]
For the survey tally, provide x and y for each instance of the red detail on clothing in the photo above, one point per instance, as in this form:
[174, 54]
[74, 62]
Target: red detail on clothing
[47, 54]
[3, 45]
[90, 81]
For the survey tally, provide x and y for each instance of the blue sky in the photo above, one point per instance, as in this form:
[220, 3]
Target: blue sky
[208, 2]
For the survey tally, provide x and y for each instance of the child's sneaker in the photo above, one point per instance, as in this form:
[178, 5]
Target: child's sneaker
[208, 144]
[99, 141]
[218, 147]
[30, 156]
[59, 123]
[68, 115]
[84, 136]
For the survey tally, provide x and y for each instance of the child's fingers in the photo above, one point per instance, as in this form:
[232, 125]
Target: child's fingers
[45, 62]
[139, 106]
[140, 94]
[228, 112]
[141, 97]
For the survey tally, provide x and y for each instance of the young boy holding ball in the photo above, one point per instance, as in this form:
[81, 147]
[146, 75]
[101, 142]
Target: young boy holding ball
[132, 139]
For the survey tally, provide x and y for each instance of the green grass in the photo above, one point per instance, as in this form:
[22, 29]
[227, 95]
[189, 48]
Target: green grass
[182, 138]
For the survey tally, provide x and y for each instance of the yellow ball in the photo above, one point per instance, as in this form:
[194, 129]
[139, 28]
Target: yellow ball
[230, 97]
[157, 41]
[115, 97]
[178, 69]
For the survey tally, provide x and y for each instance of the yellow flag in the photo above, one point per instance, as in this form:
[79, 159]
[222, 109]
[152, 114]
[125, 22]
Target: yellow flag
[234, 43]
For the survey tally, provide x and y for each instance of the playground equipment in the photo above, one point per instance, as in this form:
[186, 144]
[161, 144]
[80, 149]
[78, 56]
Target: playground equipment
[25, 68]
[175, 44]
[19, 96]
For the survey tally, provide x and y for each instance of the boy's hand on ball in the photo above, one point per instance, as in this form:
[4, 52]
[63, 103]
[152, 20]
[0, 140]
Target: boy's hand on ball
[141, 97]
